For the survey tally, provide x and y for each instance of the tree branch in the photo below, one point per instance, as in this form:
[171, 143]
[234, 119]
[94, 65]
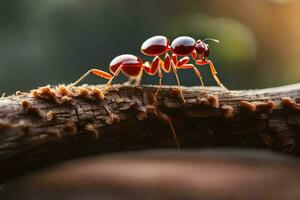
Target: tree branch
[49, 125]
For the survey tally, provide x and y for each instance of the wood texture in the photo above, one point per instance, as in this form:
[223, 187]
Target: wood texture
[49, 125]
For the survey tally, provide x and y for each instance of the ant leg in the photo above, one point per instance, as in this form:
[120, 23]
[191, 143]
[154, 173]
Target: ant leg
[154, 68]
[174, 58]
[213, 71]
[155, 64]
[115, 75]
[166, 64]
[160, 80]
[96, 72]
[198, 74]
[139, 78]
[129, 81]
[194, 55]
[182, 61]
[177, 79]
[147, 67]
[174, 66]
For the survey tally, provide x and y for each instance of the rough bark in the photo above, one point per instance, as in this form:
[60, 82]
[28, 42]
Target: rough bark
[49, 125]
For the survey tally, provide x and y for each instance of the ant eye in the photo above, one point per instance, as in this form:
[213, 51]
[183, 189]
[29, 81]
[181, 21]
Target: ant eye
[200, 47]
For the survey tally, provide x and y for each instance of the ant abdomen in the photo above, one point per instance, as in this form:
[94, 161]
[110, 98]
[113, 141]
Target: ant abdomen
[155, 45]
[131, 65]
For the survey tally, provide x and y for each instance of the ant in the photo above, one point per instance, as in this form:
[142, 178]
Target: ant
[181, 46]
[133, 66]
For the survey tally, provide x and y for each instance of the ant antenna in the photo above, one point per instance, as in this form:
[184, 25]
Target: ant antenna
[211, 39]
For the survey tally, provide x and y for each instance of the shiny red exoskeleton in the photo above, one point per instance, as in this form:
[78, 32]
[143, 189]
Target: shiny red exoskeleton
[181, 46]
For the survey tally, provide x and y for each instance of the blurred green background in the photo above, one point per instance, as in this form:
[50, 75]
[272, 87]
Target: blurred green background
[55, 41]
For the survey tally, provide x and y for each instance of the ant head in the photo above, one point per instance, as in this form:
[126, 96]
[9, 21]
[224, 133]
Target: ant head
[202, 48]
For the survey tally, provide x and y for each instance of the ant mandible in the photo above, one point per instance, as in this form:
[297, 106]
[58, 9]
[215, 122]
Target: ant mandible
[181, 46]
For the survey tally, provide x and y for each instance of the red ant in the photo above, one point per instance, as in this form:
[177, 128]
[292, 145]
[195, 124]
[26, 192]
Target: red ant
[133, 66]
[181, 46]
